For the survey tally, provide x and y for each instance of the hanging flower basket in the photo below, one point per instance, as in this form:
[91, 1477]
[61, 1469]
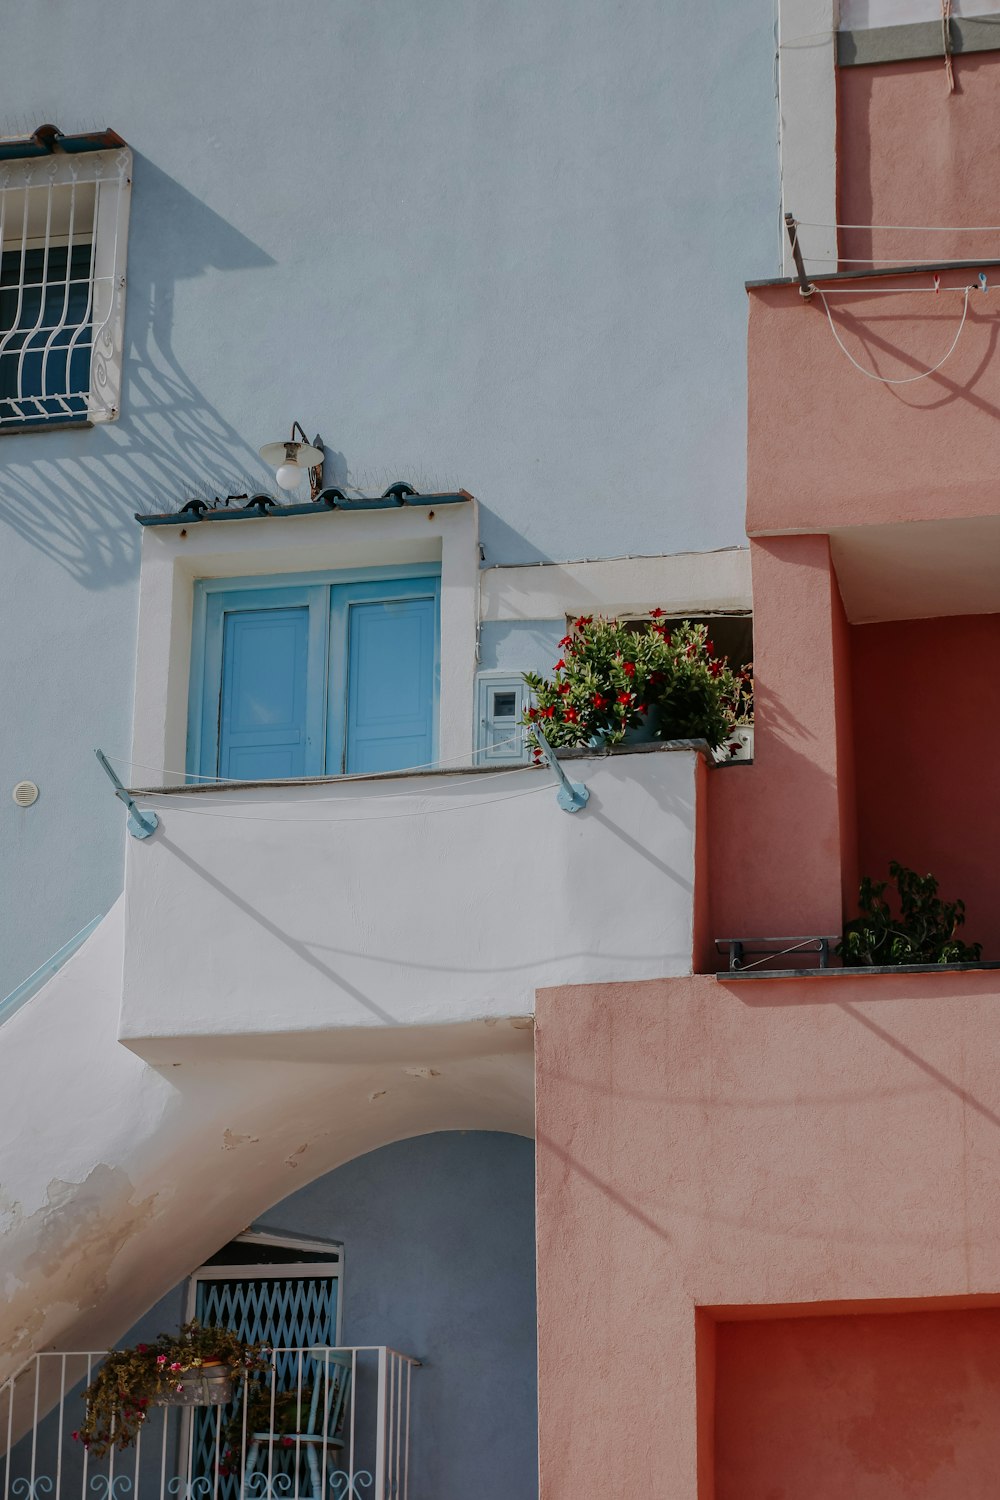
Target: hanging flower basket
[211, 1385]
[195, 1367]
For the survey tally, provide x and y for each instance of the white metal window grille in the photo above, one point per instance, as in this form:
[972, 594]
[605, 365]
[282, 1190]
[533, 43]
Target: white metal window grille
[63, 231]
[501, 703]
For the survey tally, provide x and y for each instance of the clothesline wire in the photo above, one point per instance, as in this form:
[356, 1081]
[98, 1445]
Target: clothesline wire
[871, 260]
[916, 228]
[431, 765]
[903, 379]
[176, 798]
[197, 812]
[879, 291]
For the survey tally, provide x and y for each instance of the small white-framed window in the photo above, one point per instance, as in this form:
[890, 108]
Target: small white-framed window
[63, 234]
[501, 699]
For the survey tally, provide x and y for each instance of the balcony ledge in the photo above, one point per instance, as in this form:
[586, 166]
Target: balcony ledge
[862, 972]
[290, 915]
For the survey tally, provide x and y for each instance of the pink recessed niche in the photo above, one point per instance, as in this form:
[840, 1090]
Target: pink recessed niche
[874, 1406]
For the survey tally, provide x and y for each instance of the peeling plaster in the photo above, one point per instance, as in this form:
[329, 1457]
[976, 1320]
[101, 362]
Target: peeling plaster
[67, 1247]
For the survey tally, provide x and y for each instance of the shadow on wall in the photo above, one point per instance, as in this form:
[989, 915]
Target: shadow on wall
[501, 541]
[73, 495]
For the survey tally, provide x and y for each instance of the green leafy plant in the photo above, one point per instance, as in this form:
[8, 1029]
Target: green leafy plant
[131, 1380]
[288, 1415]
[920, 931]
[612, 677]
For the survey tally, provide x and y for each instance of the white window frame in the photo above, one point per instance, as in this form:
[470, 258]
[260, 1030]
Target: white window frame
[333, 1267]
[55, 180]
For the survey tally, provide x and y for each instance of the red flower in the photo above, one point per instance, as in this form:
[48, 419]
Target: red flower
[532, 713]
[536, 756]
[656, 614]
[710, 647]
[641, 708]
[599, 701]
[548, 713]
[141, 1348]
[582, 621]
[571, 716]
[715, 667]
[75, 1436]
[286, 1442]
[628, 667]
[564, 688]
[567, 640]
[560, 664]
[624, 697]
[655, 678]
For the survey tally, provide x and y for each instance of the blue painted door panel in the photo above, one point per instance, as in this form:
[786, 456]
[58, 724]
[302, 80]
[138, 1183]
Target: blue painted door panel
[314, 678]
[262, 719]
[390, 676]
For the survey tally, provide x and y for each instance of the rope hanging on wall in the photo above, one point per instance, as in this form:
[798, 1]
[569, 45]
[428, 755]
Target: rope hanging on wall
[904, 379]
[946, 43]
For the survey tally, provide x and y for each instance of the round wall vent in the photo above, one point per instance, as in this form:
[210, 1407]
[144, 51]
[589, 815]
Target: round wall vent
[25, 793]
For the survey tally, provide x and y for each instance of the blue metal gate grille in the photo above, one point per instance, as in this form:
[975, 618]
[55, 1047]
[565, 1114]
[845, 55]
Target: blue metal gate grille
[290, 1312]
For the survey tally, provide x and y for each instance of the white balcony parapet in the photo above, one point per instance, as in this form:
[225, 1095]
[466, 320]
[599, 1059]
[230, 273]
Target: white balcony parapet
[306, 910]
[349, 1440]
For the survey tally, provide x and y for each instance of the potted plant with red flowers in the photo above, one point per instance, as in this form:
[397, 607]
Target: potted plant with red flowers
[194, 1367]
[618, 683]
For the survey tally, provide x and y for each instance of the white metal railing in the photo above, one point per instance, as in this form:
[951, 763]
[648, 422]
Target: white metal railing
[322, 1424]
[63, 230]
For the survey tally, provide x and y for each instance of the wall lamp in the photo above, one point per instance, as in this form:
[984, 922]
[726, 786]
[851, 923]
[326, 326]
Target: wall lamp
[296, 458]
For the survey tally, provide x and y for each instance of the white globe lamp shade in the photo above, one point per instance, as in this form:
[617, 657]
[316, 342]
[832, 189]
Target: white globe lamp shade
[290, 476]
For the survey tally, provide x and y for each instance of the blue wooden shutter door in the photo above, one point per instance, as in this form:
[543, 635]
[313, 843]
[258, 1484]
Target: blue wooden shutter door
[390, 684]
[264, 711]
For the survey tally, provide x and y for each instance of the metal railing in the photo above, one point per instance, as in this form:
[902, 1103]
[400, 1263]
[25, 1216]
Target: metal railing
[320, 1424]
[63, 226]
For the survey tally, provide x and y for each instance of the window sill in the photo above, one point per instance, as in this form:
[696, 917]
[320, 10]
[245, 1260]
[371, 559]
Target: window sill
[78, 424]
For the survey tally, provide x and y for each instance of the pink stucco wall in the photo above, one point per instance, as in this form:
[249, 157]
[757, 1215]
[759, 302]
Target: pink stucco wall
[826, 446]
[829, 448]
[749, 1146]
[910, 152]
[781, 831]
[927, 723]
[882, 1406]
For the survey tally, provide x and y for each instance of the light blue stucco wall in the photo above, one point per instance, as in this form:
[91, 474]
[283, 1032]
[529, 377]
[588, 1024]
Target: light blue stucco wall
[520, 645]
[439, 1262]
[498, 245]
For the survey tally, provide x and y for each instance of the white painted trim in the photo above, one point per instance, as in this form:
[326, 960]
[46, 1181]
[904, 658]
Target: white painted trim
[266, 1272]
[681, 583]
[173, 557]
[288, 1241]
[807, 110]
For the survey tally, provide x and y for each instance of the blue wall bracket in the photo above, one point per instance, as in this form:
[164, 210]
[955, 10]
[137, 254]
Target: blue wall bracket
[572, 795]
[140, 824]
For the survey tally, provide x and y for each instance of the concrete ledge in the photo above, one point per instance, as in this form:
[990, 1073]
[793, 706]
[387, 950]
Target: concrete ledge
[883, 44]
[860, 973]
